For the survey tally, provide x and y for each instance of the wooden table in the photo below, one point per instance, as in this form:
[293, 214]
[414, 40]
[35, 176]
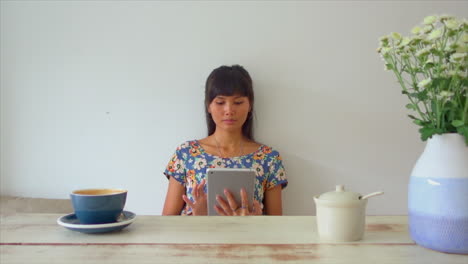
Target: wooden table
[37, 238]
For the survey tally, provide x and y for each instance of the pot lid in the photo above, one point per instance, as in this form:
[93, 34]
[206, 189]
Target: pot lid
[340, 195]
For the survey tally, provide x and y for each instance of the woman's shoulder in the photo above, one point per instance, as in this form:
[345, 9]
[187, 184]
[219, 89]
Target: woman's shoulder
[266, 150]
[187, 145]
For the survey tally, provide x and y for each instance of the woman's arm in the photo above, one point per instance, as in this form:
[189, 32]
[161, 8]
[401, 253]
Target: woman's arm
[174, 202]
[273, 202]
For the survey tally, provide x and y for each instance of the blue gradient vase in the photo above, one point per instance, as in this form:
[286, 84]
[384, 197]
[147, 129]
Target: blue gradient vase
[438, 195]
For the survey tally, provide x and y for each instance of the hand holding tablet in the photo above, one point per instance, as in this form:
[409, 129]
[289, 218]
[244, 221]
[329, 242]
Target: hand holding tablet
[237, 185]
[220, 200]
[230, 207]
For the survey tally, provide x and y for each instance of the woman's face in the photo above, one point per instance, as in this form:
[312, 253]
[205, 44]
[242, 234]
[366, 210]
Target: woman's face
[229, 112]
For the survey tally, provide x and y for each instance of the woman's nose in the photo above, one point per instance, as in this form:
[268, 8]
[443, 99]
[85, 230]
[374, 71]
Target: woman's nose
[229, 108]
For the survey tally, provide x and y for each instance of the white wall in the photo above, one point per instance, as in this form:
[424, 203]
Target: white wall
[99, 94]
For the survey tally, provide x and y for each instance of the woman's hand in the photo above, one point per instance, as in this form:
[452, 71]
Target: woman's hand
[198, 205]
[231, 208]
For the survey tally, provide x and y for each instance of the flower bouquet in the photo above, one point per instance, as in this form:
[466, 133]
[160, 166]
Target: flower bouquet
[431, 67]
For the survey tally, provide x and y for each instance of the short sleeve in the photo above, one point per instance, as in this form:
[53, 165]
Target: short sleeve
[277, 173]
[176, 166]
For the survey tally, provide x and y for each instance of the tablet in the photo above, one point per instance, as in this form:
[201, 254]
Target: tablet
[218, 179]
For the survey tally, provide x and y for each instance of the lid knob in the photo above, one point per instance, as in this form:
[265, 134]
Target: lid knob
[340, 188]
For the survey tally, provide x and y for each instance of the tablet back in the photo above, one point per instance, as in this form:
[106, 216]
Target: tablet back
[232, 179]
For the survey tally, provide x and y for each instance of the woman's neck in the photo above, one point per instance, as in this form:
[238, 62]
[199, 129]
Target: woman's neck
[228, 140]
[228, 144]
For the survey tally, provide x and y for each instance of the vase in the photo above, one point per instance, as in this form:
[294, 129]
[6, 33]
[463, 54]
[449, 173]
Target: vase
[438, 195]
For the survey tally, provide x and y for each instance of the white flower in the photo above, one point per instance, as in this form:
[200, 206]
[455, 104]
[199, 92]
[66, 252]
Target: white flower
[465, 38]
[385, 50]
[461, 48]
[446, 94]
[450, 46]
[435, 34]
[258, 168]
[429, 62]
[446, 17]
[416, 30]
[422, 52]
[405, 41]
[424, 83]
[395, 36]
[416, 39]
[457, 56]
[218, 163]
[457, 74]
[429, 20]
[281, 174]
[178, 166]
[427, 29]
[200, 163]
[452, 24]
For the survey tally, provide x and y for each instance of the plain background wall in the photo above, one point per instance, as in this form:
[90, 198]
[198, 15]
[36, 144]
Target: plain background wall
[99, 94]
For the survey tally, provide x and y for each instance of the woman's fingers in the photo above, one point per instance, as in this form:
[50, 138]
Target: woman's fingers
[244, 208]
[224, 205]
[244, 199]
[231, 200]
[230, 206]
[201, 187]
[219, 210]
[257, 208]
[187, 200]
[199, 190]
[195, 191]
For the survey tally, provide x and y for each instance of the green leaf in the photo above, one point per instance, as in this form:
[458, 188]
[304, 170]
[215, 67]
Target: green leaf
[429, 131]
[426, 132]
[457, 123]
[422, 96]
[410, 106]
[463, 130]
[418, 122]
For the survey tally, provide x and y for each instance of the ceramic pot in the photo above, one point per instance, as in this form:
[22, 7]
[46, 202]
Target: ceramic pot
[341, 215]
[438, 195]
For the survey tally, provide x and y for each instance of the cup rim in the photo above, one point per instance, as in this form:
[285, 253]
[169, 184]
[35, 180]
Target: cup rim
[106, 192]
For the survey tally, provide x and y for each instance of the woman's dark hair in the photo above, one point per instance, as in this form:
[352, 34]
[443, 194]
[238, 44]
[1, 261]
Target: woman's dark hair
[228, 81]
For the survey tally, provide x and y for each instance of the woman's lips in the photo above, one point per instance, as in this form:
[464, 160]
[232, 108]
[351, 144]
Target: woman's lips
[229, 121]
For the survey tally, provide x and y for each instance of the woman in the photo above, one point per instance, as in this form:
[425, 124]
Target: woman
[229, 102]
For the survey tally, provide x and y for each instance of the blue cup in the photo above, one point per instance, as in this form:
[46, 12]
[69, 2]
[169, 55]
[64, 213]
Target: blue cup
[98, 206]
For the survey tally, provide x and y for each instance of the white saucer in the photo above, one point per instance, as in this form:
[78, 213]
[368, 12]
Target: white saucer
[71, 222]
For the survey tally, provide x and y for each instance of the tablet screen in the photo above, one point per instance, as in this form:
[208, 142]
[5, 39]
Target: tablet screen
[232, 179]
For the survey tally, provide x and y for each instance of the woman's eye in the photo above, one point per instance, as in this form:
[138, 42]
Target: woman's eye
[219, 102]
[239, 102]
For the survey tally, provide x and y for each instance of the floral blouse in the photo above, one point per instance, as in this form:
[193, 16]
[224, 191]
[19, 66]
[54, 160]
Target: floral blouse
[189, 163]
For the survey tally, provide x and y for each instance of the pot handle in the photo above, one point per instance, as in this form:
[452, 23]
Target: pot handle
[371, 195]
